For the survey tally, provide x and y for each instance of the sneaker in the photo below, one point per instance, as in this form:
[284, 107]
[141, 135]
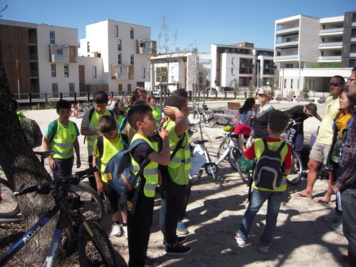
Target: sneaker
[180, 239]
[181, 229]
[240, 241]
[333, 217]
[178, 249]
[336, 226]
[263, 248]
[116, 230]
[124, 229]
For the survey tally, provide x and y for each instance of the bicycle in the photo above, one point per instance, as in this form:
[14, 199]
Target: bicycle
[206, 116]
[92, 202]
[88, 236]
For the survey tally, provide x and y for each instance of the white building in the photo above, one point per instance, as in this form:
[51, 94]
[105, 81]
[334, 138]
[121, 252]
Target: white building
[125, 50]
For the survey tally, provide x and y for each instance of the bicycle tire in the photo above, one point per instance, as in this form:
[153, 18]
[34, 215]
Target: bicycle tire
[246, 176]
[92, 205]
[94, 250]
[9, 207]
[222, 147]
[232, 160]
[296, 173]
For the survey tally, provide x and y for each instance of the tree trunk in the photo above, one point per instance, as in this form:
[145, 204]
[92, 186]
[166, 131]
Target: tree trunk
[21, 165]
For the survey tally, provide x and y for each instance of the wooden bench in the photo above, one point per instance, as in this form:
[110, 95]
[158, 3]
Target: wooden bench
[301, 98]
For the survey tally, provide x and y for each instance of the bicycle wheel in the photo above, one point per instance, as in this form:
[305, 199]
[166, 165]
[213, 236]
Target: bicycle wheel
[95, 250]
[222, 147]
[92, 205]
[296, 173]
[246, 176]
[231, 158]
[9, 207]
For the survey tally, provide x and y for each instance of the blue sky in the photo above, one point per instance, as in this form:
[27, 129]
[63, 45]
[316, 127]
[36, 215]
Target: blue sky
[200, 23]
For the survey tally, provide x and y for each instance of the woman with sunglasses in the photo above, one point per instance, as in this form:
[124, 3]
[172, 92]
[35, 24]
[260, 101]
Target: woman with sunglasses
[259, 127]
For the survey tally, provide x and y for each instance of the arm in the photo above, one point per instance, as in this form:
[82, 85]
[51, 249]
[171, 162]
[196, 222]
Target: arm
[163, 157]
[99, 183]
[85, 126]
[248, 119]
[77, 152]
[318, 117]
[182, 123]
[46, 146]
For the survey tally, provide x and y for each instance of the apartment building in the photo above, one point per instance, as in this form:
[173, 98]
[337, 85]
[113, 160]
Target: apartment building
[241, 65]
[309, 50]
[125, 50]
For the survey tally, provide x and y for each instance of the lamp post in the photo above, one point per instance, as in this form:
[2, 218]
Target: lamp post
[18, 78]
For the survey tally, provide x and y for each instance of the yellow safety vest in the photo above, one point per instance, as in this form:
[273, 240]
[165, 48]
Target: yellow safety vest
[150, 172]
[259, 148]
[156, 112]
[94, 126]
[62, 142]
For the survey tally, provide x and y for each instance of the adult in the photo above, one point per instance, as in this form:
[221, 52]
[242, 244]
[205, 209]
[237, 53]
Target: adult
[260, 121]
[321, 147]
[346, 183]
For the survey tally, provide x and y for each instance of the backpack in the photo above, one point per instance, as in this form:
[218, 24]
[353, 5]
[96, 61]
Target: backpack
[32, 132]
[100, 140]
[268, 171]
[123, 180]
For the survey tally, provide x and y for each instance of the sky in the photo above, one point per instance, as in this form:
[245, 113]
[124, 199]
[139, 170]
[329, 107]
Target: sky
[190, 23]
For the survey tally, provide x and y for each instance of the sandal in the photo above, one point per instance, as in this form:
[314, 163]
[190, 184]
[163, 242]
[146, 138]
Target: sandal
[322, 202]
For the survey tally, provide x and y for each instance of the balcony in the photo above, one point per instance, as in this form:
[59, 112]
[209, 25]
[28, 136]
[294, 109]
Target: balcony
[286, 44]
[246, 65]
[286, 57]
[329, 59]
[286, 30]
[330, 45]
[122, 72]
[334, 31]
[146, 47]
[353, 54]
[62, 53]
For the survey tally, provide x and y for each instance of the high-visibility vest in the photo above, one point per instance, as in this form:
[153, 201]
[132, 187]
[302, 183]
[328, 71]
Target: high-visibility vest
[259, 148]
[94, 126]
[63, 139]
[150, 172]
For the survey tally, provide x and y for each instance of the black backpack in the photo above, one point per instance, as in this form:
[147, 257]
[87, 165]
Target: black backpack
[268, 171]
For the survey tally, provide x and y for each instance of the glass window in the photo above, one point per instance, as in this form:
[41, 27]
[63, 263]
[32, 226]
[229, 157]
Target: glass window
[66, 70]
[88, 47]
[94, 71]
[55, 89]
[71, 89]
[53, 70]
[291, 83]
[132, 34]
[52, 37]
[119, 59]
[116, 31]
[143, 73]
[132, 59]
[119, 45]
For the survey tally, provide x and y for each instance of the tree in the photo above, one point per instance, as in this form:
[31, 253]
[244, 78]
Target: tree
[20, 165]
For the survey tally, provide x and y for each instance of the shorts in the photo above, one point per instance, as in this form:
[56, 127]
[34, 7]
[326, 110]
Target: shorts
[115, 200]
[319, 152]
[243, 129]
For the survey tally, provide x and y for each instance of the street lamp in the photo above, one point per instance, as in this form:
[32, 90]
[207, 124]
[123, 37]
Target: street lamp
[18, 78]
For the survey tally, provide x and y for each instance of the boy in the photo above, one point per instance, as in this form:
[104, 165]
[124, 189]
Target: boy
[176, 175]
[110, 143]
[277, 123]
[61, 137]
[139, 222]
[90, 126]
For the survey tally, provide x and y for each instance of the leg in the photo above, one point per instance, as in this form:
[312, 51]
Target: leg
[274, 203]
[257, 200]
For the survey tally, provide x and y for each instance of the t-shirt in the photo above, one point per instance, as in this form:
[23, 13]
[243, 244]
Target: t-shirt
[331, 108]
[260, 123]
[296, 113]
[141, 152]
[51, 130]
[244, 116]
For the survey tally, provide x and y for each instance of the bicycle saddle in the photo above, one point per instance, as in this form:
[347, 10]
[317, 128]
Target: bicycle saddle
[200, 142]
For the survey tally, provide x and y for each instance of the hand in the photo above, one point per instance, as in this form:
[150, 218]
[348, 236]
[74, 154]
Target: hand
[163, 133]
[100, 187]
[78, 163]
[171, 111]
[336, 189]
[52, 164]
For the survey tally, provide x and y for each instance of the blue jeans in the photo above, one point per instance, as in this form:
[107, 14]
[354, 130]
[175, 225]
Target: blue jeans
[257, 200]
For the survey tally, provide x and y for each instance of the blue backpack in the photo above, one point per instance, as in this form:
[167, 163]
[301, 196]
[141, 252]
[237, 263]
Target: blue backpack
[120, 166]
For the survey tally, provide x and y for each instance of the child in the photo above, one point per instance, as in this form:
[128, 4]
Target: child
[277, 123]
[61, 137]
[139, 222]
[156, 111]
[90, 126]
[176, 176]
[105, 148]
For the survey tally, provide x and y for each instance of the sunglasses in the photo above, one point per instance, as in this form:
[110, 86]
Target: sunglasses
[335, 84]
[260, 95]
[310, 113]
[350, 80]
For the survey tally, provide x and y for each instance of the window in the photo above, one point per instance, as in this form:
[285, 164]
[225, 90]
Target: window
[119, 45]
[94, 72]
[132, 34]
[116, 31]
[71, 89]
[66, 70]
[132, 59]
[285, 83]
[55, 89]
[53, 70]
[232, 71]
[291, 84]
[119, 59]
[143, 73]
[88, 47]
[52, 37]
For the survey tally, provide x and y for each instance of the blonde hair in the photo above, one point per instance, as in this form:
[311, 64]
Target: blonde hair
[267, 90]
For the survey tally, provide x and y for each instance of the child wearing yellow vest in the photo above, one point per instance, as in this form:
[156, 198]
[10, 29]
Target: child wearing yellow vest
[61, 137]
[112, 143]
[139, 222]
[277, 123]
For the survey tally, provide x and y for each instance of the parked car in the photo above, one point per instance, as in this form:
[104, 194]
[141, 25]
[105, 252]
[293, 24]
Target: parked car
[208, 89]
[157, 92]
[223, 89]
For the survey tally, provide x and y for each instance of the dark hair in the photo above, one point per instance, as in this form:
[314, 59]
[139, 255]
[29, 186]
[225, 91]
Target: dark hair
[247, 106]
[181, 92]
[63, 104]
[175, 101]
[100, 97]
[278, 121]
[312, 107]
[352, 104]
[139, 102]
[354, 69]
[342, 80]
[137, 113]
[152, 97]
[136, 94]
[107, 123]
